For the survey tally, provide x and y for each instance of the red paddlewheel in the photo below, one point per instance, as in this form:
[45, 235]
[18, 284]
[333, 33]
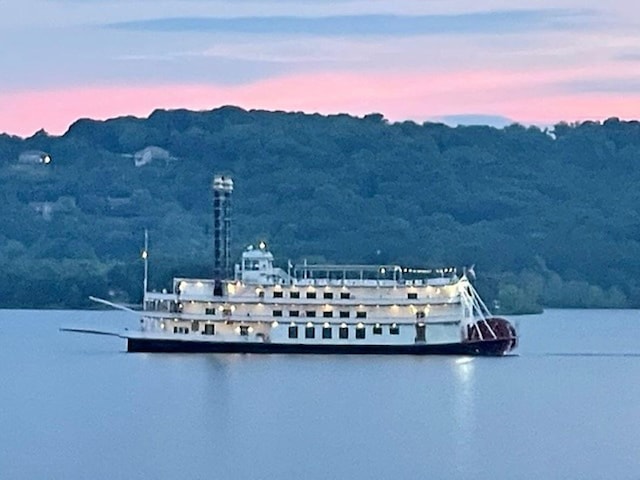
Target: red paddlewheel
[502, 330]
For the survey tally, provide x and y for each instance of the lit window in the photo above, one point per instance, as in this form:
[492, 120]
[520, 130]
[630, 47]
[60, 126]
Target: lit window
[327, 295]
[361, 314]
[293, 331]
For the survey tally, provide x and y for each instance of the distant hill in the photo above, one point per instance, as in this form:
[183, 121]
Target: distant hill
[549, 217]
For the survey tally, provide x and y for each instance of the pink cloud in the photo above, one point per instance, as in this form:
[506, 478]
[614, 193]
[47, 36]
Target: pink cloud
[522, 96]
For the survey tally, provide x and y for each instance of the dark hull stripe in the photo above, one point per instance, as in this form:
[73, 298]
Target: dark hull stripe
[486, 347]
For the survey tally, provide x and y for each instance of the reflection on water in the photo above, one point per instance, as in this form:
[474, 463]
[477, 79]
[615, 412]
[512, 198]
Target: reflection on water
[78, 407]
[464, 412]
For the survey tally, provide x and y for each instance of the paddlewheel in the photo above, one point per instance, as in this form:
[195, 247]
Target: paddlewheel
[493, 329]
[484, 333]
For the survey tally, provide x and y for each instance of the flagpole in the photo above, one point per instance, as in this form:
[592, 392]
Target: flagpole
[145, 257]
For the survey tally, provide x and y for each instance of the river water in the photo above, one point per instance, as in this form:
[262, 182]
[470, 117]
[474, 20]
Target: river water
[73, 406]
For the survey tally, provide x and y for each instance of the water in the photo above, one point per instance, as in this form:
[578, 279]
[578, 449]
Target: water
[78, 407]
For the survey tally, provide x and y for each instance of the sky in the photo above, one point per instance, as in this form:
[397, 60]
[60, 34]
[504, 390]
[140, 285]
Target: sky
[457, 61]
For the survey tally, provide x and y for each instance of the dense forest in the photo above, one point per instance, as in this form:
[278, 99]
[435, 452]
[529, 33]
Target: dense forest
[549, 217]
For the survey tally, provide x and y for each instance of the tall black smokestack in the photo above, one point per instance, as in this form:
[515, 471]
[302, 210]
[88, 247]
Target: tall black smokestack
[222, 189]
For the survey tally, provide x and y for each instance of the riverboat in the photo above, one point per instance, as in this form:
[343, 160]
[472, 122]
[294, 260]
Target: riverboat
[258, 307]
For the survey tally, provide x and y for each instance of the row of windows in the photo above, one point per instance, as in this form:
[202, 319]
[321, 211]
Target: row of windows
[309, 313]
[312, 313]
[343, 331]
[309, 330]
[325, 295]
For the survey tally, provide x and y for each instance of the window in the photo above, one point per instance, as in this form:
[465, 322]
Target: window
[277, 313]
[309, 331]
[277, 294]
[377, 329]
[361, 314]
[261, 294]
[343, 332]
[311, 294]
[195, 326]
[209, 329]
[327, 295]
[327, 314]
[360, 332]
[412, 296]
[293, 331]
[294, 294]
[311, 313]
[326, 331]
[244, 330]
[420, 314]
[209, 311]
[421, 332]
[345, 295]
[344, 314]
[294, 313]
[394, 329]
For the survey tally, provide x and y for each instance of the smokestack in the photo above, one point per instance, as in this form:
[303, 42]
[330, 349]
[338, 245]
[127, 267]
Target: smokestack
[222, 188]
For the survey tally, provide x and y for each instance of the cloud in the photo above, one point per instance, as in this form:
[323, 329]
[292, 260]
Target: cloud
[496, 21]
[628, 85]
